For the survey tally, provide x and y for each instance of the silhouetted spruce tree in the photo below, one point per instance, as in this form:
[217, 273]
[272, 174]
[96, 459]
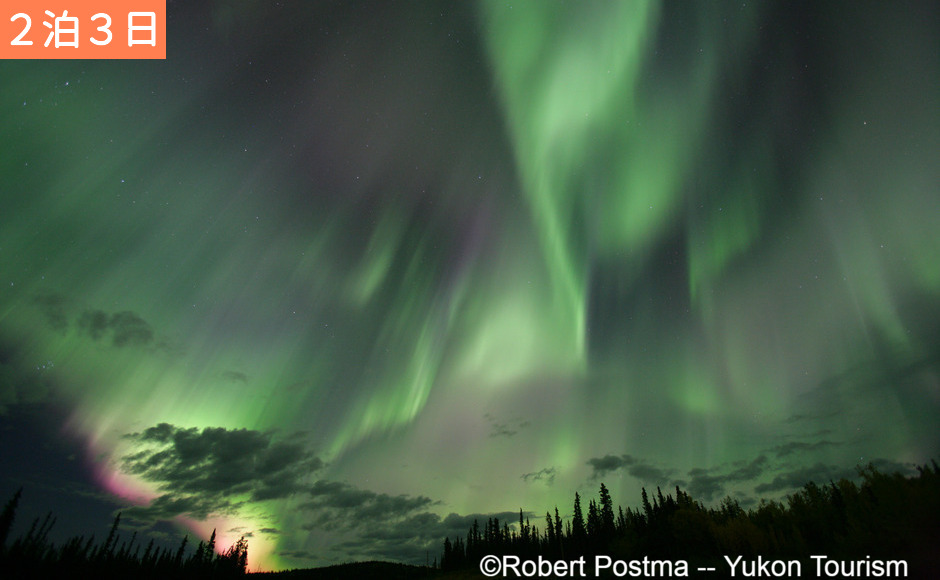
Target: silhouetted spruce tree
[550, 534]
[198, 557]
[88, 550]
[7, 517]
[210, 547]
[523, 531]
[593, 522]
[146, 558]
[474, 542]
[447, 558]
[647, 508]
[108, 548]
[491, 532]
[234, 560]
[607, 514]
[578, 531]
[35, 543]
[178, 560]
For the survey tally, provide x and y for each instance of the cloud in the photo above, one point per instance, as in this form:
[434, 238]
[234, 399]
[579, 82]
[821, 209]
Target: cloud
[703, 486]
[343, 505]
[125, 328]
[821, 473]
[797, 478]
[411, 539]
[501, 430]
[505, 428]
[241, 531]
[370, 525]
[420, 526]
[300, 554]
[546, 474]
[645, 472]
[748, 470]
[212, 470]
[706, 484]
[798, 417]
[167, 507]
[458, 525]
[601, 466]
[797, 446]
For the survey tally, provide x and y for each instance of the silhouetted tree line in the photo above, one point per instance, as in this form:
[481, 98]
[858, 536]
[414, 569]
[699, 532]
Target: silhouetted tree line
[887, 515]
[34, 555]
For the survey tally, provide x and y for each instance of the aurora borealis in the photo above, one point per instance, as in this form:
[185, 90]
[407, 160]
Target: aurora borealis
[344, 275]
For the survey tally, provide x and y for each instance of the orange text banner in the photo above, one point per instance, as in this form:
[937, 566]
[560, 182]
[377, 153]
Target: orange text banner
[92, 29]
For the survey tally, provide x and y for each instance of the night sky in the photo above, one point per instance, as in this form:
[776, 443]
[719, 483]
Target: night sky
[342, 276]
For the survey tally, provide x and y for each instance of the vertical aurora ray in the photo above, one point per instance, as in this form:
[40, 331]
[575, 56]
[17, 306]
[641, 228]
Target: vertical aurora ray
[603, 144]
[563, 74]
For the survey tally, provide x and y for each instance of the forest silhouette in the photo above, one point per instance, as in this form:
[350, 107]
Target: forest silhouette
[885, 516]
[34, 555]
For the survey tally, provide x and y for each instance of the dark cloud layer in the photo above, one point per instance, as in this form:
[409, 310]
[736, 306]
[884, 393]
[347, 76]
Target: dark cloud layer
[801, 447]
[411, 539]
[212, 470]
[796, 478]
[644, 471]
[379, 525]
[546, 475]
[712, 483]
[708, 484]
[704, 484]
[819, 472]
[343, 505]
